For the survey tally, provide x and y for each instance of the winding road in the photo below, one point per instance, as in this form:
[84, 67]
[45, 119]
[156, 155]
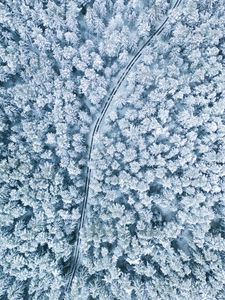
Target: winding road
[95, 130]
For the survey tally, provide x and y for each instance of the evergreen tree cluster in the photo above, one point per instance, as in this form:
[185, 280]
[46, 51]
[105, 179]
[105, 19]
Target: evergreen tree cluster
[154, 224]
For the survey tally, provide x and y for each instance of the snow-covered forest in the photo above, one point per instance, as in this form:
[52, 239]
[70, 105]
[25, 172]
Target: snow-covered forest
[112, 149]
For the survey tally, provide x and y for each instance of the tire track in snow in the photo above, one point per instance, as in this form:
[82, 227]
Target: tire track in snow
[75, 256]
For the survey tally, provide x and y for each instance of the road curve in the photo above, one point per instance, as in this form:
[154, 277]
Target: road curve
[95, 130]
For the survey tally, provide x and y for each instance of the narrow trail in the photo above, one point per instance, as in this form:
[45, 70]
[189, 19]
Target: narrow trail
[95, 130]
